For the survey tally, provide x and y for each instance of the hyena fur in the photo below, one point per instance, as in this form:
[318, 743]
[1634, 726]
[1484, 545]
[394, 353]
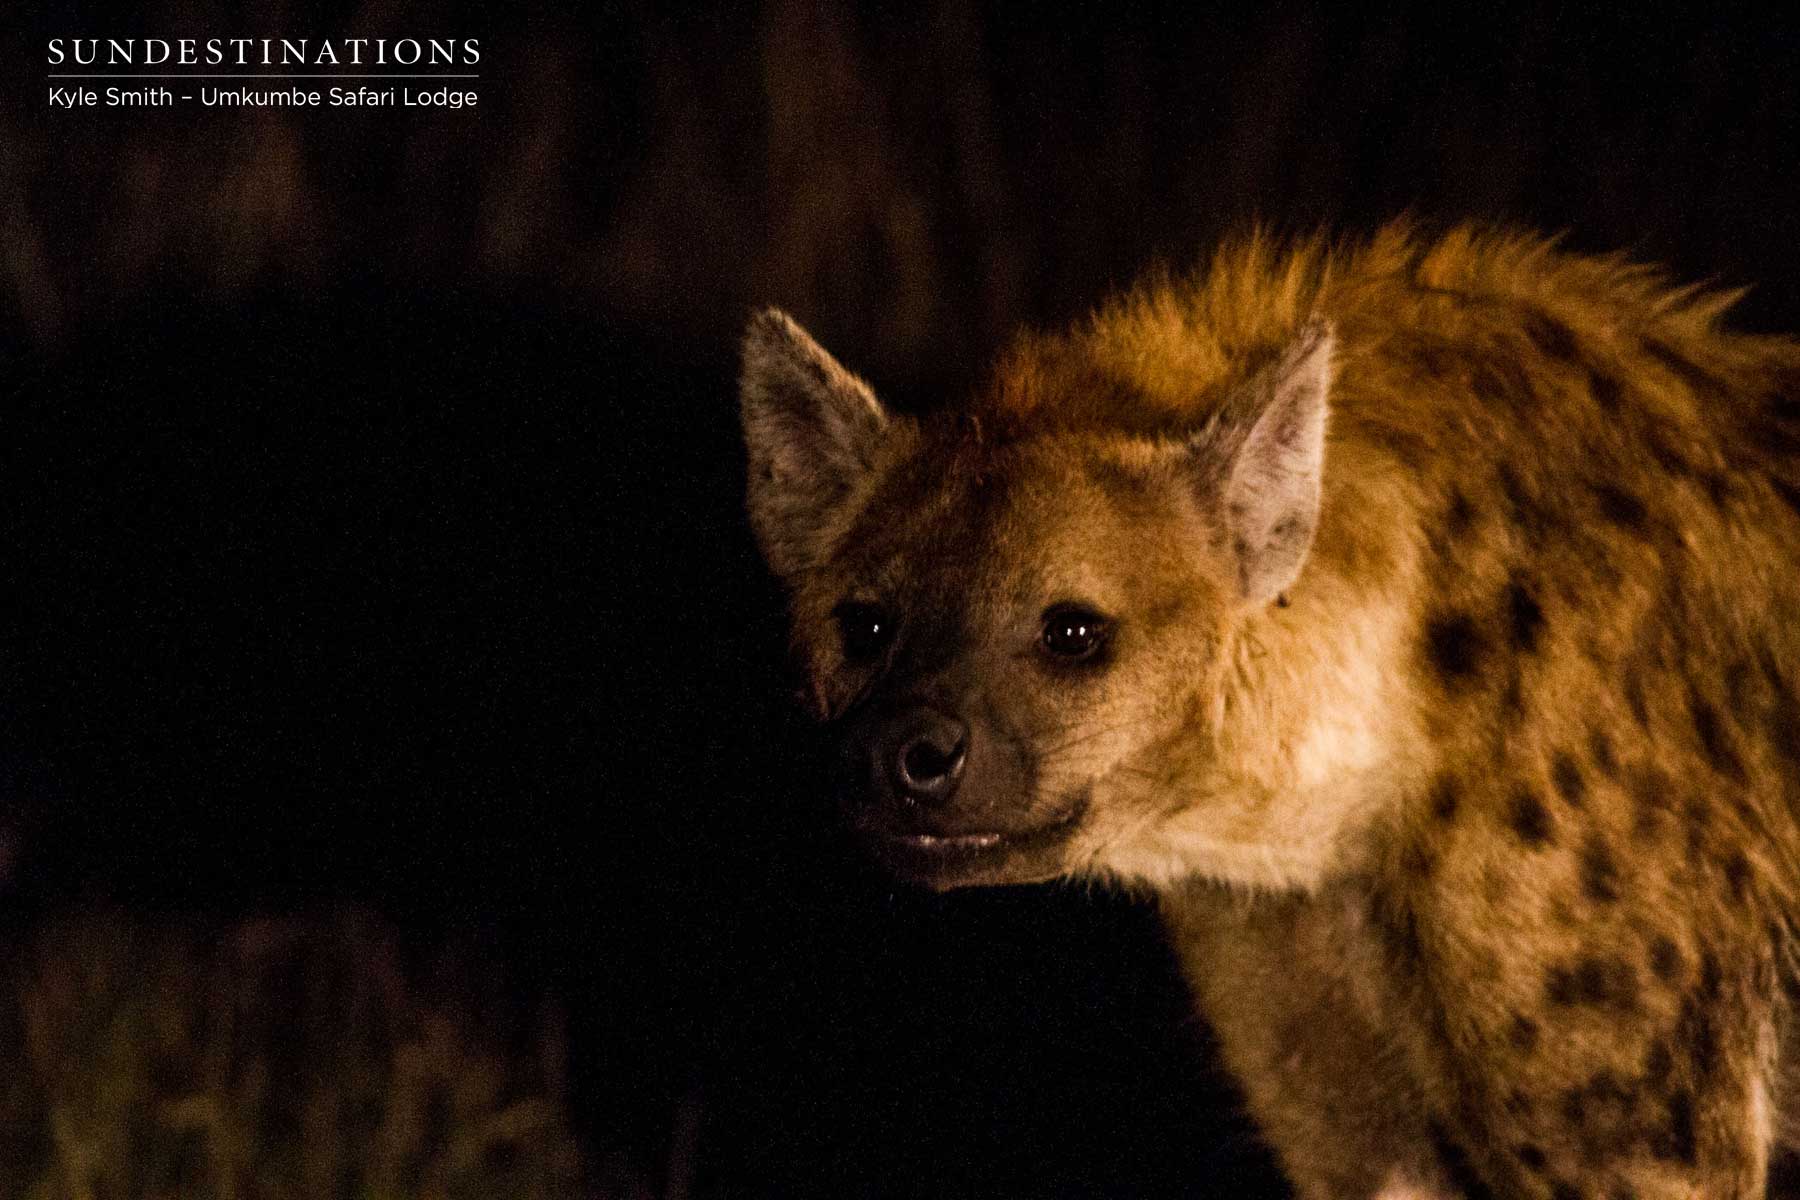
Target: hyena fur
[1418, 621]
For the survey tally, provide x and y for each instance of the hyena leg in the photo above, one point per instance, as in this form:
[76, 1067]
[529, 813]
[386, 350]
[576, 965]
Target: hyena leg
[1641, 1068]
[1612, 1135]
[1301, 1026]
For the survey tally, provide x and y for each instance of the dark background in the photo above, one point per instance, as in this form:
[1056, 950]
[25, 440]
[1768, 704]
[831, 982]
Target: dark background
[370, 497]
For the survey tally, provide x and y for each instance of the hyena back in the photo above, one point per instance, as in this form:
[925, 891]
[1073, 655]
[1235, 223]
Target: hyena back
[1418, 622]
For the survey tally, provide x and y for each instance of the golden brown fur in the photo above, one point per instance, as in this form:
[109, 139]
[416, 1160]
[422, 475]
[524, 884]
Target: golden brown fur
[1479, 843]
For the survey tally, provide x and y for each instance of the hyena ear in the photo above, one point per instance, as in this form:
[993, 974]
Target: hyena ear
[1262, 457]
[812, 430]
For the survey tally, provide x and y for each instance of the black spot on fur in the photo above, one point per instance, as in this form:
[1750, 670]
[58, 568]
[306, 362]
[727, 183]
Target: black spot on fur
[1399, 929]
[1678, 1142]
[1430, 357]
[1488, 383]
[1604, 1110]
[1409, 448]
[1522, 1033]
[1529, 819]
[1593, 980]
[1784, 401]
[1525, 616]
[1417, 861]
[1718, 487]
[1658, 1062]
[1622, 1191]
[1531, 1157]
[1740, 678]
[1527, 512]
[1710, 976]
[1783, 723]
[1665, 958]
[1608, 981]
[1445, 799]
[1651, 788]
[1567, 778]
[1698, 1035]
[1599, 873]
[1564, 1190]
[1550, 335]
[1606, 390]
[1765, 661]
[1501, 378]
[1600, 749]
[1695, 376]
[1762, 983]
[1647, 826]
[1635, 699]
[1779, 439]
[1559, 986]
[1696, 813]
[1715, 741]
[1737, 874]
[1621, 507]
[1696, 831]
[1512, 697]
[1455, 647]
[1788, 493]
[1606, 1088]
[1667, 456]
[1457, 1167]
[1459, 516]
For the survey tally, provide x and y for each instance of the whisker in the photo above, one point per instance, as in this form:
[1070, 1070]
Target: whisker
[1086, 737]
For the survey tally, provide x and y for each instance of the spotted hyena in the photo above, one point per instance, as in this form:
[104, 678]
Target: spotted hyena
[1419, 622]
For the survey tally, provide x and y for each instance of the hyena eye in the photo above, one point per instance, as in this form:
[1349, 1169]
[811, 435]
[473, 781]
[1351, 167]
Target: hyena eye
[865, 629]
[1072, 632]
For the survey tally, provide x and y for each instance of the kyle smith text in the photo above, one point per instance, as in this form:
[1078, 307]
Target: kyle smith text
[112, 97]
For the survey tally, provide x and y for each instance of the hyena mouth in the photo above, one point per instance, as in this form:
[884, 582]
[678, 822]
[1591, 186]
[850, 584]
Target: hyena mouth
[974, 856]
[959, 843]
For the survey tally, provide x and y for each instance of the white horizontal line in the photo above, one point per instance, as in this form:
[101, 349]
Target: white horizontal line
[216, 76]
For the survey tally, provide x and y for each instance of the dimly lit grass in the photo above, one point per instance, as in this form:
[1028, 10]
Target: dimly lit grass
[270, 1059]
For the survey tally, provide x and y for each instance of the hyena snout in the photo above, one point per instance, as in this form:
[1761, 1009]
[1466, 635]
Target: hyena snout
[921, 755]
[921, 766]
[944, 797]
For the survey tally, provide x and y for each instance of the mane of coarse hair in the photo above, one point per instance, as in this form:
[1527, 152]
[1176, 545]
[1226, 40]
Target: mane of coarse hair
[1175, 336]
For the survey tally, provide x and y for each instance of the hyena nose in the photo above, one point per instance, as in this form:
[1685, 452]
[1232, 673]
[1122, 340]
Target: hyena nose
[929, 757]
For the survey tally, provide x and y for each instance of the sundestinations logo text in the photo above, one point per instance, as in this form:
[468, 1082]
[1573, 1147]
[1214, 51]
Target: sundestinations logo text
[263, 72]
[264, 52]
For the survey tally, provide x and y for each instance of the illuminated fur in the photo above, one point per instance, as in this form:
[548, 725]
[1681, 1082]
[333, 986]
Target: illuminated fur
[1471, 806]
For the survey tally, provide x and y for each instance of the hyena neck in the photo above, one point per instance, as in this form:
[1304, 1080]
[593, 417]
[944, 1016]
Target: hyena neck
[1313, 745]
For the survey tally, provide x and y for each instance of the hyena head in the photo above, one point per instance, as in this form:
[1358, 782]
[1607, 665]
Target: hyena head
[1019, 636]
